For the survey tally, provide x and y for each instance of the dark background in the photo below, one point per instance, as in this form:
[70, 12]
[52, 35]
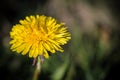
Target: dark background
[93, 53]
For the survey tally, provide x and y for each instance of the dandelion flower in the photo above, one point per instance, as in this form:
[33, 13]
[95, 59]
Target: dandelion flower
[38, 35]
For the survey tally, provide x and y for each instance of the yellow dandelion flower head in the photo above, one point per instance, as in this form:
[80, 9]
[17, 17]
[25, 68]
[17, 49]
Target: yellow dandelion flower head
[38, 35]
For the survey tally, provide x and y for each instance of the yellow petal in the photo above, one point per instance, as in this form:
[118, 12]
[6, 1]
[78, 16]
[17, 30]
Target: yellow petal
[36, 51]
[32, 50]
[46, 54]
[27, 48]
[40, 48]
[46, 46]
[20, 48]
[15, 45]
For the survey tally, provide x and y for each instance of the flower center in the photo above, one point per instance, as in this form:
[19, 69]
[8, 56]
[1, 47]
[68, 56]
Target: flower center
[38, 35]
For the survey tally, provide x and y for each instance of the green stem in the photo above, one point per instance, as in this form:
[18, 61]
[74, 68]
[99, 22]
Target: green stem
[37, 70]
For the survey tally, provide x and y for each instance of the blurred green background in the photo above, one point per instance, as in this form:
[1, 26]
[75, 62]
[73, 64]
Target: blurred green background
[93, 52]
